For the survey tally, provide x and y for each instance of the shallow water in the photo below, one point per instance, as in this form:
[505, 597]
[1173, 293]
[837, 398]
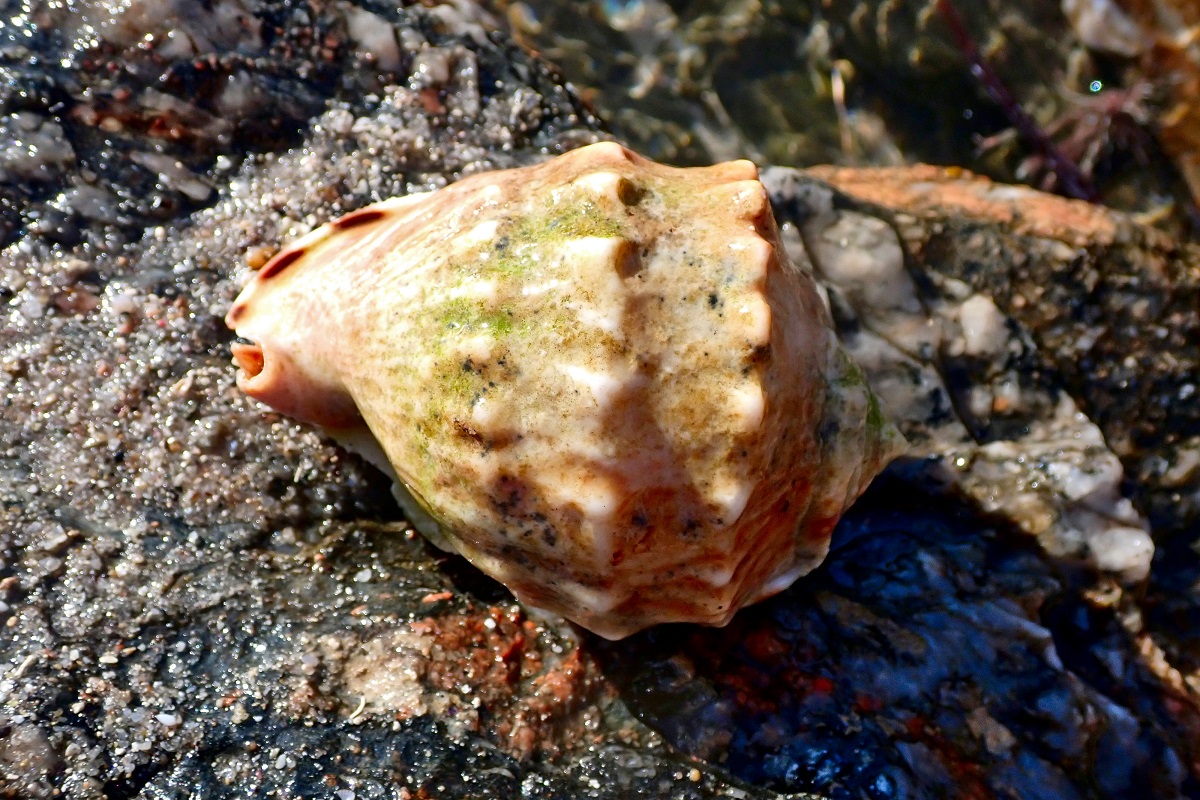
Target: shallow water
[863, 82]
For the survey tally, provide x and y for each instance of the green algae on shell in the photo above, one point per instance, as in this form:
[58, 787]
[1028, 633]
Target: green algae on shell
[598, 378]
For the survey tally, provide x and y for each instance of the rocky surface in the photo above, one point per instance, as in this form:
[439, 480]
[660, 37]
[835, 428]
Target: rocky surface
[1112, 307]
[203, 599]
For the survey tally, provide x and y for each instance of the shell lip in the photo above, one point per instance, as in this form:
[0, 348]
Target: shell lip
[248, 356]
[271, 376]
[258, 376]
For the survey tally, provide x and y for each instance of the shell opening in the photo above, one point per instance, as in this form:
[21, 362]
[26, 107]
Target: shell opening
[249, 358]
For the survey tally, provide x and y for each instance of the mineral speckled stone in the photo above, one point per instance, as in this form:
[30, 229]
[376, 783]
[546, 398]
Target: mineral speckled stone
[598, 378]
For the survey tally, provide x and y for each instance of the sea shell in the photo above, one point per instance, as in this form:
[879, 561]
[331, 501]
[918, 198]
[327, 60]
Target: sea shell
[598, 379]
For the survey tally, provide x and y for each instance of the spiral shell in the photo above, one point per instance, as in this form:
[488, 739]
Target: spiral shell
[598, 379]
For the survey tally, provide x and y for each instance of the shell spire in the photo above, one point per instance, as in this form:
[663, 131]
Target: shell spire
[597, 378]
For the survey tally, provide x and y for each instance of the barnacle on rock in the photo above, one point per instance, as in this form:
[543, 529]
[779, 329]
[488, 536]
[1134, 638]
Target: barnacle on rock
[598, 378]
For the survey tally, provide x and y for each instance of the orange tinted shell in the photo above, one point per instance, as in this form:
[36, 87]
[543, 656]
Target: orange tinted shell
[598, 378]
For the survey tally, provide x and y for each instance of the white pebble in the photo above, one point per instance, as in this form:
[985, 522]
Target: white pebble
[982, 326]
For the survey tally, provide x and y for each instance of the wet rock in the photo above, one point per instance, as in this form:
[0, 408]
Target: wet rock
[1110, 305]
[149, 105]
[905, 669]
[27, 759]
[199, 597]
[967, 384]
